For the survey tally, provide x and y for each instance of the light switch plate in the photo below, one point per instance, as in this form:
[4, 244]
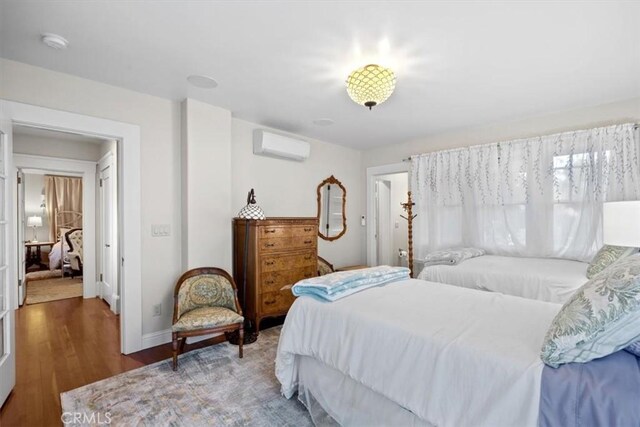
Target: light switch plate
[160, 230]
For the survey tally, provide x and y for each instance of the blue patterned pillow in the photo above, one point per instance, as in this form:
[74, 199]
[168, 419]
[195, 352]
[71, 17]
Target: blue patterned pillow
[606, 256]
[634, 348]
[602, 317]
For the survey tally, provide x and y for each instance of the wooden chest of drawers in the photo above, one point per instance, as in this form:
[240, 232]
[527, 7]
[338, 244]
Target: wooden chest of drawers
[269, 256]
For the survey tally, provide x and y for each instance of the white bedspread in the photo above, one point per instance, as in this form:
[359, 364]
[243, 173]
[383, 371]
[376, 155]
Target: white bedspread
[452, 356]
[544, 279]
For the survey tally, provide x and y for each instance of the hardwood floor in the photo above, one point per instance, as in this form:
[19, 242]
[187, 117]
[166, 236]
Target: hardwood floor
[62, 345]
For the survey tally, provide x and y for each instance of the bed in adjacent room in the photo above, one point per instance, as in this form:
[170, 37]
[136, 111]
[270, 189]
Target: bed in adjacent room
[544, 279]
[422, 353]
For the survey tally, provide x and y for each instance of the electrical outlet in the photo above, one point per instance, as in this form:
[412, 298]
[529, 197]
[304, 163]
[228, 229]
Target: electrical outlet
[157, 310]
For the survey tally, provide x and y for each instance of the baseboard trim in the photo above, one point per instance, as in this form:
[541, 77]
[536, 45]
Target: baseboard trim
[155, 339]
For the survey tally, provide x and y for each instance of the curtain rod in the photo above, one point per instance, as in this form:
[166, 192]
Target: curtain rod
[408, 159]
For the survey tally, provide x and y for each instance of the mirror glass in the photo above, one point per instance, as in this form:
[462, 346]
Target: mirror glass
[332, 198]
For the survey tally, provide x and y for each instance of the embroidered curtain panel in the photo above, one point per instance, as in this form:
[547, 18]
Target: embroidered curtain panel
[539, 197]
[62, 194]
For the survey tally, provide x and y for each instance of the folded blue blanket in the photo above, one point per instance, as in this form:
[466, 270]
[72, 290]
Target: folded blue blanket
[332, 287]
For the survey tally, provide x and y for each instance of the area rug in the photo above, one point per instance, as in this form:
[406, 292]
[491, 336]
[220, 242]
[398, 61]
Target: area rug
[212, 386]
[53, 289]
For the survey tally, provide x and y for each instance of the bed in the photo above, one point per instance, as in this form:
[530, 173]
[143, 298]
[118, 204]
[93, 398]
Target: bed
[544, 279]
[422, 353]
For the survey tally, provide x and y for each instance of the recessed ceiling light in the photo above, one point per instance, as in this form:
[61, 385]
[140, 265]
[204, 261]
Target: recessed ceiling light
[54, 41]
[201, 81]
[323, 122]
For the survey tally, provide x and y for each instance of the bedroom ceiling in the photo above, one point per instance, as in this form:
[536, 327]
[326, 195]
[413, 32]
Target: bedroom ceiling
[283, 64]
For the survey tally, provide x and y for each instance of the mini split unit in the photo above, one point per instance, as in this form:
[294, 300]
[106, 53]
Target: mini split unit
[279, 146]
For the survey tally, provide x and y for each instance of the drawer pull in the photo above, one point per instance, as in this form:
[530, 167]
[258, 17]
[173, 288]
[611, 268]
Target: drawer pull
[273, 230]
[308, 229]
[269, 282]
[270, 302]
[308, 242]
[269, 245]
[270, 262]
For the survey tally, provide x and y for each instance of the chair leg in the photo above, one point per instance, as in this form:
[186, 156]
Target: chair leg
[175, 351]
[182, 343]
[240, 339]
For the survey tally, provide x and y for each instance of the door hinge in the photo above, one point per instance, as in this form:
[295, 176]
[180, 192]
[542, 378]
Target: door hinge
[19, 179]
[101, 277]
[100, 182]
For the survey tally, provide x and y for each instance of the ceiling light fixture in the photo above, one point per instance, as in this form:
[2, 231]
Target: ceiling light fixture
[371, 85]
[201, 81]
[54, 41]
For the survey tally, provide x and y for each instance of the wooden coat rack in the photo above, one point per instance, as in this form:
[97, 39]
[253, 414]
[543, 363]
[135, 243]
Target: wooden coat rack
[408, 208]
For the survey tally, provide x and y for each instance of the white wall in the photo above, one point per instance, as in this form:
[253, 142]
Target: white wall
[33, 186]
[55, 147]
[288, 188]
[159, 121]
[206, 186]
[626, 111]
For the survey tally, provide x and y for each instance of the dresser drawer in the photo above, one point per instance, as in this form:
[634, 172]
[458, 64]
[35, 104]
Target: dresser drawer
[274, 244]
[287, 231]
[276, 302]
[276, 280]
[288, 262]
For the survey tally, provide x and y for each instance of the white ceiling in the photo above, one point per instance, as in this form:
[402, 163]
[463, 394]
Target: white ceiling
[283, 63]
[33, 132]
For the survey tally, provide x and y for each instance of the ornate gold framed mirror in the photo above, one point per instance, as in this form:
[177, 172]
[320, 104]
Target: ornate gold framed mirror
[332, 201]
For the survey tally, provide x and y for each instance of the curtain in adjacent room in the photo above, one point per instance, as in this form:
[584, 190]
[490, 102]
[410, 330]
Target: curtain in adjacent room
[62, 194]
[539, 197]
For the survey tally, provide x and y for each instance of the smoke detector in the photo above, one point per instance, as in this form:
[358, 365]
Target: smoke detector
[204, 82]
[54, 41]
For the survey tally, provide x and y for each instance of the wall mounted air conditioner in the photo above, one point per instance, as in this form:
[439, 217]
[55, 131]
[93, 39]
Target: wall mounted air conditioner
[273, 145]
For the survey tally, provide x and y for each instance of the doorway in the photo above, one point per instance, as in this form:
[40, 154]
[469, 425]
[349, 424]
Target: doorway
[391, 229]
[387, 237]
[65, 204]
[129, 160]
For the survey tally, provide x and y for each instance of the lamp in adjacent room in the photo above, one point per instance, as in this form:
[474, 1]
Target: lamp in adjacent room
[34, 221]
[621, 223]
[371, 85]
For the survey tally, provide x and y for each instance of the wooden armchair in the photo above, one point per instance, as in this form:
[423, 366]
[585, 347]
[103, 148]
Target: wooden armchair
[205, 302]
[324, 267]
[74, 240]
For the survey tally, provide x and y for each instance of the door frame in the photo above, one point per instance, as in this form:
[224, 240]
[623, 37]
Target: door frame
[87, 171]
[372, 173]
[8, 360]
[129, 219]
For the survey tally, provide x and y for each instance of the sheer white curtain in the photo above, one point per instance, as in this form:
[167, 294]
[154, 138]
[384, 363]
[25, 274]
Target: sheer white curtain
[531, 197]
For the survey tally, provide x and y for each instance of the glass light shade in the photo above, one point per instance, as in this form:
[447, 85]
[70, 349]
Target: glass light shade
[371, 85]
[34, 221]
[621, 223]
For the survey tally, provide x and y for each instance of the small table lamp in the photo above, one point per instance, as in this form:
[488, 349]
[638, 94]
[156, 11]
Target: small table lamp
[621, 223]
[34, 221]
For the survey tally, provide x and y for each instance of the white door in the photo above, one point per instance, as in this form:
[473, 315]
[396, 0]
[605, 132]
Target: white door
[108, 274]
[7, 285]
[384, 241]
[21, 218]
